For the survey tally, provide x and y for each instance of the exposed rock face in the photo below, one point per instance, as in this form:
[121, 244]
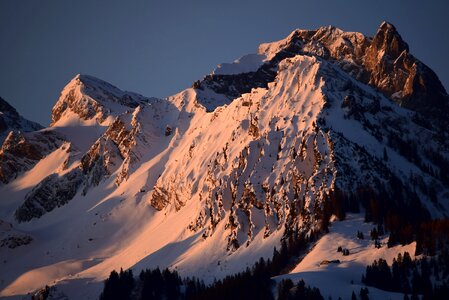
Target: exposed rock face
[11, 120]
[160, 198]
[118, 149]
[21, 151]
[232, 86]
[398, 74]
[113, 150]
[17, 145]
[92, 98]
[383, 62]
[317, 130]
[286, 157]
[12, 238]
[121, 136]
[102, 159]
[387, 43]
[52, 192]
[15, 241]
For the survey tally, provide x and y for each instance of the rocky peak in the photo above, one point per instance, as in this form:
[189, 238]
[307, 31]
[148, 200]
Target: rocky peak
[10, 120]
[276, 163]
[402, 77]
[17, 143]
[91, 98]
[330, 43]
[383, 61]
[388, 40]
[22, 150]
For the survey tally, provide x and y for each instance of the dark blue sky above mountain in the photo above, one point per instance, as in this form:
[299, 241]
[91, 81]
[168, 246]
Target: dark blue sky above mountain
[158, 48]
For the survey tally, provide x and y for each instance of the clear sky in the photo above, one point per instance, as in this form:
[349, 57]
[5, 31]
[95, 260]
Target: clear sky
[159, 47]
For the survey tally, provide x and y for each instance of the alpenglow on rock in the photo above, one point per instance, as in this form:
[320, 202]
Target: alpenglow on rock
[92, 98]
[383, 61]
[319, 124]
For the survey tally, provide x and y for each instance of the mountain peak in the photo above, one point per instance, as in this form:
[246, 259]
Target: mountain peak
[329, 29]
[93, 82]
[383, 61]
[243, 162]
[399, 75]
[10, 120]
[91, 98]
[389, 40]
[387, 25]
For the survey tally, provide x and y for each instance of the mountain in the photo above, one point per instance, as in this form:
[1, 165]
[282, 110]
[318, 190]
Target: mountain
[17, 153]
[11, 120]
[87, 98]
[315, 130]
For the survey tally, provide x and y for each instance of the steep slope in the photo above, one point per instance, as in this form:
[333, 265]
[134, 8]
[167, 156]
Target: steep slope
[17, 151]
[383, 61]
[114, 125]
[290, 148]
[343, 276]
[210, 179]
[92, 98]
[11, 120]
[22, 150]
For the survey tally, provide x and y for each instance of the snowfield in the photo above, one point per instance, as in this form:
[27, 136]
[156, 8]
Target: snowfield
[341, 279]
[247, 63]
[205, 184]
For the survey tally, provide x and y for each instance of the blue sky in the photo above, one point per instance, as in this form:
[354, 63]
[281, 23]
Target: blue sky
[158, 48]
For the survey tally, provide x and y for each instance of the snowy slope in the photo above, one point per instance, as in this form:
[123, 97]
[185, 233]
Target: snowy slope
[245, 64]
[341, 279]
[91, 98]
[210, 179]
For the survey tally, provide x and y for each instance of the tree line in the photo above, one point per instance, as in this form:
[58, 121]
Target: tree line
[427, 276]
[252, 283]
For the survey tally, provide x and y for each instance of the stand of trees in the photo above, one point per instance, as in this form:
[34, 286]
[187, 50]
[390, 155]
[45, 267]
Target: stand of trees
[287, 290]
[392, 206]
[118, 285]
[427, 276]
[253, 283]
[397, 210]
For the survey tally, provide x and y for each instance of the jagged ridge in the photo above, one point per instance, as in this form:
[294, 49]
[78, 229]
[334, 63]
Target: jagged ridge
[240, 161]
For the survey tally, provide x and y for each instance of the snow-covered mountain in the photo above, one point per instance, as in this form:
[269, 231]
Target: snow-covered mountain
[209, 180]
[11, 120]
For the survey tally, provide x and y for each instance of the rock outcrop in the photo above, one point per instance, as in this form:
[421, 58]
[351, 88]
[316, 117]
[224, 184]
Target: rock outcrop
[52, 192]
[383, 62]
[90, 98]
[21, 151]
[11, 120]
